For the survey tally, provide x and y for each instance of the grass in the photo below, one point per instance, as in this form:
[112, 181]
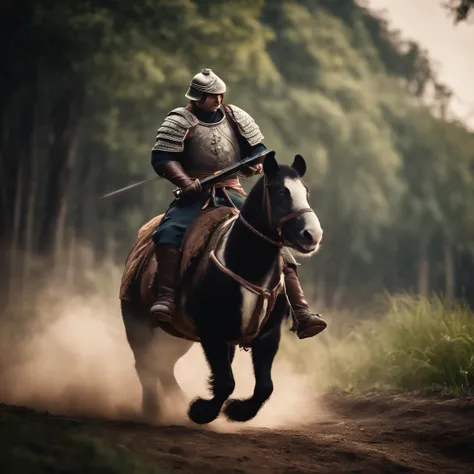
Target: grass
[35, 443]
[418, 344]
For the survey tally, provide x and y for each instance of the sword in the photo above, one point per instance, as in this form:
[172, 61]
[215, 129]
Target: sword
[210, 180]
[206, 181]
[134, 185]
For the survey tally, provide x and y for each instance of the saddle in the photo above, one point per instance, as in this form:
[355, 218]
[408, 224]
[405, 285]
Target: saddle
[138, 257]
[199, 240]
[201, 232]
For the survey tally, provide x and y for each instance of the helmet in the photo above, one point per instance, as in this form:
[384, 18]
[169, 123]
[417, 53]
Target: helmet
[205, 82]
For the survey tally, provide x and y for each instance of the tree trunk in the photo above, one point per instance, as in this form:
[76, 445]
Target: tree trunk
[423, 268]
[449, 271]
[4, 201]
[8, 174]
[65, 118]
[71, 257]
[4, 236]
[29, 241]
[15, 238]
[60, 233]
[27, 152]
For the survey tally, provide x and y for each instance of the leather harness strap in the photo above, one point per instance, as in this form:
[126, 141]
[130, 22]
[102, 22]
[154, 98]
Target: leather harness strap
[262, 293]
[257, 290]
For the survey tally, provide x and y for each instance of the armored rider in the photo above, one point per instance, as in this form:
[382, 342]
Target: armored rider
[194, 142]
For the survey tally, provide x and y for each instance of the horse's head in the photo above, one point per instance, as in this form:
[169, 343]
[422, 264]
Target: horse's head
[287, 207]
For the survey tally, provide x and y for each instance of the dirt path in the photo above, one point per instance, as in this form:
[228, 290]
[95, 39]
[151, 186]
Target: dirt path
[370, 434]
[379, 433]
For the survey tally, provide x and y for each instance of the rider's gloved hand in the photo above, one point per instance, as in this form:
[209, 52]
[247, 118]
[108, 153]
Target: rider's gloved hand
[173, 172]
[194, 187]
[249, 171]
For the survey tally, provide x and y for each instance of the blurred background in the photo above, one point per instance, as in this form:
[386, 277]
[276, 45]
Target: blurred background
[374, 94]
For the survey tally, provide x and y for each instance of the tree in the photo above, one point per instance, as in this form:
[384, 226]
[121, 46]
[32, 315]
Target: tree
[460, 9]
[88, 83]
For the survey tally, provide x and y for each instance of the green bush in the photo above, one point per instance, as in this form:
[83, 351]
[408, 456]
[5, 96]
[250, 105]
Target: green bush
[417, 344]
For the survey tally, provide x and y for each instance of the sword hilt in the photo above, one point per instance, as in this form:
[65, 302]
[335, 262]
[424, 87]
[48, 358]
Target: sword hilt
[177, 193]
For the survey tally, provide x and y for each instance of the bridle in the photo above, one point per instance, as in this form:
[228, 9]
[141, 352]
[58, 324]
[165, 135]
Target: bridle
[266, 204]
[263, 294]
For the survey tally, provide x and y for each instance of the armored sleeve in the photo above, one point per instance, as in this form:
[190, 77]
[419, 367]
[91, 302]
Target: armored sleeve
[172, 133]
[246, 124]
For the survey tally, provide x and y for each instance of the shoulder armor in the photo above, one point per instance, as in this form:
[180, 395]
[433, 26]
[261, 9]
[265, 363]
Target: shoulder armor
[247, 126]
[173, 131]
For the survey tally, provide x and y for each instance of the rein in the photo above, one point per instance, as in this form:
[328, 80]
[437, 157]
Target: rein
[257, 290]
[269, 295]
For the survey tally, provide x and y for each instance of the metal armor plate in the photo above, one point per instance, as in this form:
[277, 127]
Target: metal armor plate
[247, 125]
[173, 131]
[212, 147]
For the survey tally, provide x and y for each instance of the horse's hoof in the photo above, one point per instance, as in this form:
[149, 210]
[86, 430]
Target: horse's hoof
[203, 411]
[240, 410]
[150, 410]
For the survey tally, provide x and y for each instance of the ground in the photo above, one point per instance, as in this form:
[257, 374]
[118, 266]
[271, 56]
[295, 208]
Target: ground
[372, 433]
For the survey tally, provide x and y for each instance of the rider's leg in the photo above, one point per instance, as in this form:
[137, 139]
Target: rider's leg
[168, 238]
[308, 324]
[167, 279]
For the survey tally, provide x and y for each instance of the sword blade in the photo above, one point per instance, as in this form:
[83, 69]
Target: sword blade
[226, 171]
[232, 169]
[131, 186]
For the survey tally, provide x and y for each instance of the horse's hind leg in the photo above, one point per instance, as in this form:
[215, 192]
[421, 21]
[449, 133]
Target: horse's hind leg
[160, 360]
[219, 356]
[140, 336]
[156, 354]
[150, 405]
[263, 355]
[167, 350]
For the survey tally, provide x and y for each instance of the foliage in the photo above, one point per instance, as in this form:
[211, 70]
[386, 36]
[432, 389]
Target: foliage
[416, 344]
[460, 9]
[88, 84]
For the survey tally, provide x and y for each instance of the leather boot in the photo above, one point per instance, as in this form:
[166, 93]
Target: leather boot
[308, 324]
[167, 279]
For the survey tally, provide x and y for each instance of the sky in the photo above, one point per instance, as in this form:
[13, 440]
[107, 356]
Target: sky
[450, 46]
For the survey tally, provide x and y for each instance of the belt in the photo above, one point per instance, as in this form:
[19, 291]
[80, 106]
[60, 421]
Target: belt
[231, 182]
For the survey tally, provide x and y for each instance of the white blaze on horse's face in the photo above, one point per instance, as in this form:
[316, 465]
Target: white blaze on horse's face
[310, 232]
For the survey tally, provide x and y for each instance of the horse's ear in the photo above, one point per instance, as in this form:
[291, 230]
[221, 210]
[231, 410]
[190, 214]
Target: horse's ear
[299, 164]
[270, 165]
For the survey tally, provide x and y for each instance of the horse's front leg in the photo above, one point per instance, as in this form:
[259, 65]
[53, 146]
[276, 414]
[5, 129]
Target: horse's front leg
[263, 354]
[219, 355]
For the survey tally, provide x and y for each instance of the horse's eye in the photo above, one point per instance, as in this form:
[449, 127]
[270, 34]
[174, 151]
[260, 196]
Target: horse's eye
[285, 192]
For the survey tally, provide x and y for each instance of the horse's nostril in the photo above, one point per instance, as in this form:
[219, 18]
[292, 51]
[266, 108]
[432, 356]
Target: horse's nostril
[308, 236]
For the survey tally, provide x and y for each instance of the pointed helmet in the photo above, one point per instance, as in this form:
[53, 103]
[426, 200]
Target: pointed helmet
[205, 82]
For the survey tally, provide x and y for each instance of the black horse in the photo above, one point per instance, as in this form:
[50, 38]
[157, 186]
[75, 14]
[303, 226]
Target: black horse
[239, 297]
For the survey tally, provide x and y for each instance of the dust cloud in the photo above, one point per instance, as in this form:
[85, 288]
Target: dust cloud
[80, 364]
